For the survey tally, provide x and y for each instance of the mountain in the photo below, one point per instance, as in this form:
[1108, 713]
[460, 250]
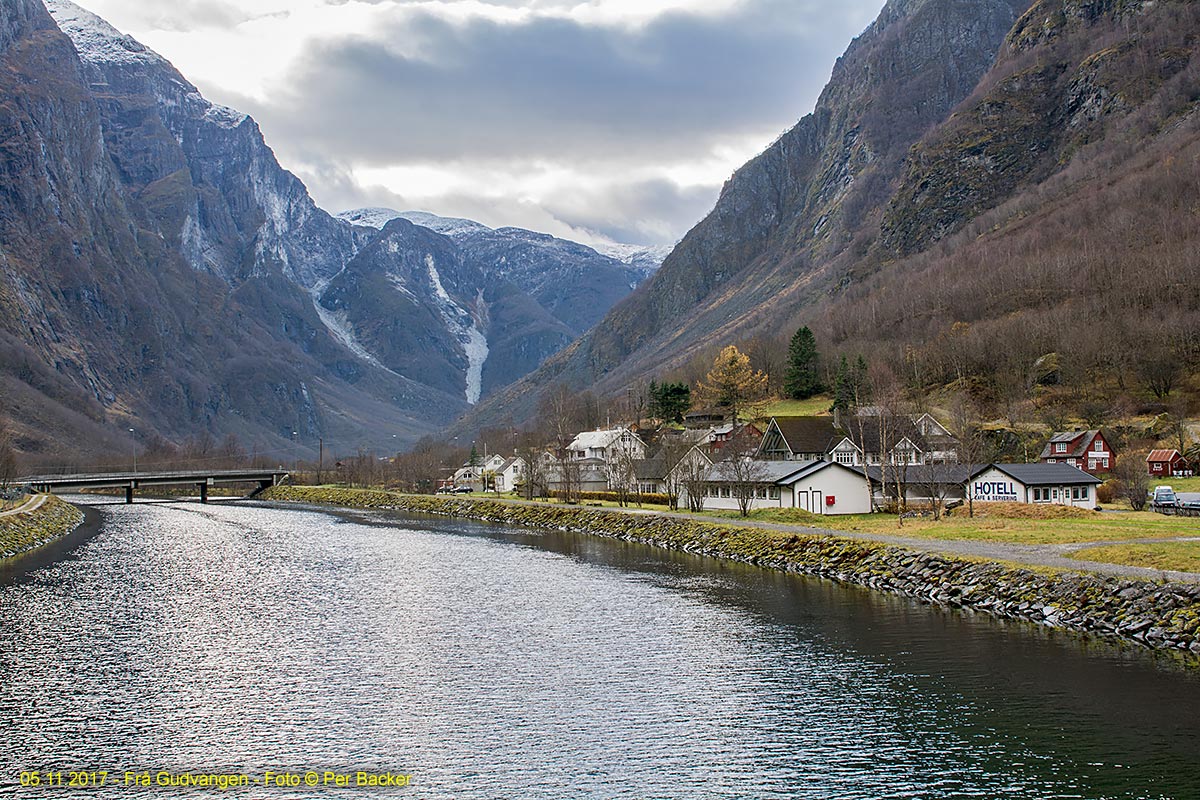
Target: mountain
[980, 184]
[161, 275]
[573, 282]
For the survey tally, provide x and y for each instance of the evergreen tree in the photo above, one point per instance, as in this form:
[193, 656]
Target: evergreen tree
[802, 379]
[670, 401]
[474, 458]
[849, 384]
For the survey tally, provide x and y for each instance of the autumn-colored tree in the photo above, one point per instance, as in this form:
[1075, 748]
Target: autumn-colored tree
[732, 383]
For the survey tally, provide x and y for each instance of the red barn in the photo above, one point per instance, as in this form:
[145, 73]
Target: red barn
[1085, 450]
[1166, 464]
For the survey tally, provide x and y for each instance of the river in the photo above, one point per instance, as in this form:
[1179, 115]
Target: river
[490, 662]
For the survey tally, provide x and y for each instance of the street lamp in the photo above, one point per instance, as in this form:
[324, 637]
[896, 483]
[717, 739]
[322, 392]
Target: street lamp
[296, 450]
[134, 437]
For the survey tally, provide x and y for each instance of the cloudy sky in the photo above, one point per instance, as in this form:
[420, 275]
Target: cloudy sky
[593, 119]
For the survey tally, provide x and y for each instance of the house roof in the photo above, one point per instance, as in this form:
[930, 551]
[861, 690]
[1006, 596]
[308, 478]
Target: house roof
[808, 434]
[597, 439]
[650, 469]
[509, 463]
[1066, 437]
[1042, 474]
[872, 430]
[942, 474]
[1164, 455]
[778, 472]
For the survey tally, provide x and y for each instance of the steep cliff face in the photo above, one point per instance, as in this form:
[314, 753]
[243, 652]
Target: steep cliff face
[110, 318]
[805, 211]
[1070, 74]
[977, 171]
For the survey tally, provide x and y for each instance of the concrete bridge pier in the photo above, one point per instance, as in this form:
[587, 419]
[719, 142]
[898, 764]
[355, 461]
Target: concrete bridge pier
[129, 494]
[204, 493]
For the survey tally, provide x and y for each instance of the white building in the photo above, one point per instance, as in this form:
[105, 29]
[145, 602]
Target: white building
[606, 445]
[1052, 484]
[819, 487]
[511, 474]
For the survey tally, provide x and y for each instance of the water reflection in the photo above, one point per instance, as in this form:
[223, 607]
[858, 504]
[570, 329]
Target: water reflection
[489, 662]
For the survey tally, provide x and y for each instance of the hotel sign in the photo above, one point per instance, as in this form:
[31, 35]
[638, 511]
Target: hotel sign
[995, 492]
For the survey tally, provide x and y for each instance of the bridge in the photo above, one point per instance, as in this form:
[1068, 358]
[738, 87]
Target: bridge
[131, 481]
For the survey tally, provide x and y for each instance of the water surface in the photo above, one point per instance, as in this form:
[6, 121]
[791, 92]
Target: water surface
[490, 662]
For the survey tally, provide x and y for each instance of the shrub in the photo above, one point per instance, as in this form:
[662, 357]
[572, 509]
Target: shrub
[1107, 491]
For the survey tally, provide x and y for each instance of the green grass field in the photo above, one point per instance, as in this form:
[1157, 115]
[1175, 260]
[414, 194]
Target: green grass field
[814, 406]
[1092, 528]
[1181, 556]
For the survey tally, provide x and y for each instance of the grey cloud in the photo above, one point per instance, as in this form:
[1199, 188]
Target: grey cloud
[430, 89]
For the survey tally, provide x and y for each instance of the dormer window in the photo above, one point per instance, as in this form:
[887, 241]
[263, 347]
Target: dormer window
[1061, 447]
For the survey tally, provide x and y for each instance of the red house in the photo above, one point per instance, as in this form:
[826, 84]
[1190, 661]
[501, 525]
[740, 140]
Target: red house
[1085, 450]
[1166, 464]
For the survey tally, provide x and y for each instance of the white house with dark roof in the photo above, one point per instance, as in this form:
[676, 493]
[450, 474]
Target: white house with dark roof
[819, 487]
[1051, 484]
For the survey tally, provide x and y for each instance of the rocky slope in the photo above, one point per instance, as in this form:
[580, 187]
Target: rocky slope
[981, 163]
[574, 283]
[159, 270]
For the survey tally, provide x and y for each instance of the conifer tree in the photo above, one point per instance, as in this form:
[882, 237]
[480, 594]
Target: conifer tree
[802, 379]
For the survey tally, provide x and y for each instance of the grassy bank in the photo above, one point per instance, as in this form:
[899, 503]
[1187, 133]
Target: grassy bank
[25, 531]
[1182, 556]
[1159, 615]
[987, 525]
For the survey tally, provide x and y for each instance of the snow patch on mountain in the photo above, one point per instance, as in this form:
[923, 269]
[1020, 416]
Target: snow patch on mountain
[95, 39]
[635, 255]
[378, 217]
[462, 324]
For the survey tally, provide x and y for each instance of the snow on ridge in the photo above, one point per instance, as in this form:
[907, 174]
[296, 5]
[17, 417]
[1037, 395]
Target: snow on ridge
[97, 41]
[370, 217]
[634, 254]
[462, 325]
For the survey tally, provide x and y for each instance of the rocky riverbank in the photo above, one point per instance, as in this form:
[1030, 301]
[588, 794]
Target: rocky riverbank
[1163, 616]
[50, 518]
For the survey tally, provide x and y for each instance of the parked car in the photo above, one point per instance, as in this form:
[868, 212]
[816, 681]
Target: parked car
[1163, 497]
[463, 490]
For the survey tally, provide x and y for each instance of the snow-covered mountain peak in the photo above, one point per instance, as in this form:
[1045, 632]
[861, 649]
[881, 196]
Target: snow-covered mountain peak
[635, 254]
[378, 217]
[97, 41]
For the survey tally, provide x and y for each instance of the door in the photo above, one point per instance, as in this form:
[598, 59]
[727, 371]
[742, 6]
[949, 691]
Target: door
[818, 502]
[801, 499]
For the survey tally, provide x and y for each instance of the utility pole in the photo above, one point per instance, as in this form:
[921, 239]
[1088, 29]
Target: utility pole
[320, 459]
[134, 437]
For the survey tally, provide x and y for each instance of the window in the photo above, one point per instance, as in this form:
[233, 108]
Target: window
[1084, 493]
[844, 457]
[1054, 461]
[725, 492]
[774, 492]
[1091, 463]
[1061, 447]
[1074, 493]
[1098, 446]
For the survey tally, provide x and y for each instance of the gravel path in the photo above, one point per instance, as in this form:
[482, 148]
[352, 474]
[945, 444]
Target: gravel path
[32, 504]
[1055, 556]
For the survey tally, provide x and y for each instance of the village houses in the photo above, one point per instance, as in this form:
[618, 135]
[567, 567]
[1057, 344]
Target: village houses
[1085, 450]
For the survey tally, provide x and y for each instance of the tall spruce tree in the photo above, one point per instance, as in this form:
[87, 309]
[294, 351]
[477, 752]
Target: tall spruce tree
[803, 377]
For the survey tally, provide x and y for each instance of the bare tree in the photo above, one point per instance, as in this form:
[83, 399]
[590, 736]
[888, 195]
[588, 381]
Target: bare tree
[621, 469]
[672, 452]
[1133, 478]
[972, 449]
[8, 457]
[745, 474]
[693, 479]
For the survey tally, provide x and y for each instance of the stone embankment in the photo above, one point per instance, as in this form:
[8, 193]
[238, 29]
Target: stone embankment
[42, 520]
[1163, 616]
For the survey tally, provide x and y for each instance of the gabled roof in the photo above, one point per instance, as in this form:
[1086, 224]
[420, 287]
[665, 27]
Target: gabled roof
[1164, 455]
[1042, 474]
[509, 463]
[807, 434]
[598, 439]
[650, 469]
[894, 429]
[1066, 437]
